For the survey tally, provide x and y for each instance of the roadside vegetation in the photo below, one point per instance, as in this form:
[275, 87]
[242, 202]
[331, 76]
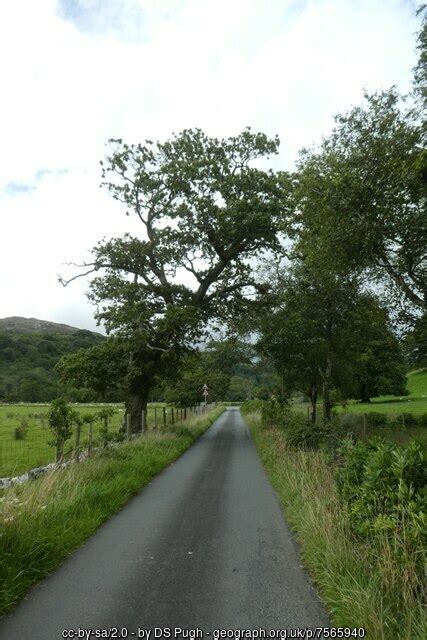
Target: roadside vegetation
[43, 521]
[358, 514]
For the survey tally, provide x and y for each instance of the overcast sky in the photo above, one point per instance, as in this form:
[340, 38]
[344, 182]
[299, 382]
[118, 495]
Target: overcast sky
[74, 73]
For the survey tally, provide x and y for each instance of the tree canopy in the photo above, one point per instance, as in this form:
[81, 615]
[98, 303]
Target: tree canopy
[205, 210]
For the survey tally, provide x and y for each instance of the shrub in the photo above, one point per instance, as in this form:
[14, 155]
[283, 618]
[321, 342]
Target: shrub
[60, 418]
[300, 434]
[376, 419]
[423, 420]
[409, 419]
[381, 486]
[349, 421]
[250, 406]
[274, 413]
[20, 432]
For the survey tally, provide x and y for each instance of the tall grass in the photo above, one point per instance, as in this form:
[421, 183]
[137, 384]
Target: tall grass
[365, 583]
[43, 521]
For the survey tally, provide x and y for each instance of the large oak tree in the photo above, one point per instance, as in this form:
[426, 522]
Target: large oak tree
[206, 210]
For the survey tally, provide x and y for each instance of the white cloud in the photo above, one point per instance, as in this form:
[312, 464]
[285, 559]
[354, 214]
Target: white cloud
[77, 72]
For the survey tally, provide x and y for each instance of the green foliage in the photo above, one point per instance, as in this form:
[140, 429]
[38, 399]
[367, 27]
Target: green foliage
[102, 368]
[369, 581]
[205, 209]
[409, 419]
[376, 419]
[381, 485]
[27, 364]
[301, 434]
[231, 369]
[274, 413]
[20, 432]
[325, 333]
[252, 406]
[61, 418]
[360, 196]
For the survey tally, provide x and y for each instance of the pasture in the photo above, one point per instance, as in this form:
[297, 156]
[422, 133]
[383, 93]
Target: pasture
[395, 427]
[19, 455]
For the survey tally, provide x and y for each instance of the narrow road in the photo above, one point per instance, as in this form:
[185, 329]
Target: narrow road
[203, 545]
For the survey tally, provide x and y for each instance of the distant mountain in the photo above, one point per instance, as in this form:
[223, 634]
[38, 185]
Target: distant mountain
[29, 325]
[29, 351]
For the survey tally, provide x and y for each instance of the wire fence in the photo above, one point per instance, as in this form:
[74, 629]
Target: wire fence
[27, 442]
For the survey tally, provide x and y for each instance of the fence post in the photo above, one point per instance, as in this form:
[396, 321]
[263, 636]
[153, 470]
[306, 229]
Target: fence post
[128, 430]
[155, 417]
[143, 421]
[164, 416]
[172, 416]
[89, 442]
[77, 443]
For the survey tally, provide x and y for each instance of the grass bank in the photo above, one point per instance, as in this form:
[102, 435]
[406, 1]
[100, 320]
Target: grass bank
[44, 521]
[361, 581]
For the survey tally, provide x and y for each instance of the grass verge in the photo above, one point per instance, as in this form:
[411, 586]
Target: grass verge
[361, 582]
[44, 521]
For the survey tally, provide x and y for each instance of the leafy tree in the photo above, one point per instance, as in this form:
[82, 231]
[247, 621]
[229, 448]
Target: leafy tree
[228, 368]
[360, 196]
[60, 418]
[205, 210]
[326, 334]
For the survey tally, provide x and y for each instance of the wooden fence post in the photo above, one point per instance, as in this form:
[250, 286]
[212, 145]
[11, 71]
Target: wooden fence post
[143, 422]
[155, 417]
[89, 442]
[172, 416]
[128, 429]
[77, 444]
[164, 416]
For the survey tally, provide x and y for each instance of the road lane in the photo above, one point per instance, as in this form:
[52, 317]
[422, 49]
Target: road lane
[203, 545]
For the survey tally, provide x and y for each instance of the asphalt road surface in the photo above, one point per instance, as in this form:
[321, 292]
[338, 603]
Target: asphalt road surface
[204, 545]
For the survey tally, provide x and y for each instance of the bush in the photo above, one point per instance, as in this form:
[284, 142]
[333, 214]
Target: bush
[300, 434]
[423, 420]
[274, 413]
[409, 419]
[20, 432]
[381, 486]
[251, 406]
[60, 418]
[376, 419]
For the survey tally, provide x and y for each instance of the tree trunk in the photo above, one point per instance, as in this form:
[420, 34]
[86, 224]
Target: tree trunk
[136, 403]
[327, 405]
[313, 400]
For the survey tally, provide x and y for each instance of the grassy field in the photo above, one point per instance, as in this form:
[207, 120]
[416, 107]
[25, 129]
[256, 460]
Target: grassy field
[42, 522]
[363, 582]
[415, 402]
[17, 456]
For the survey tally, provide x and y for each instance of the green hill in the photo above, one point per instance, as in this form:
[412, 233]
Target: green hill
[417, 383]
[29, 351]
